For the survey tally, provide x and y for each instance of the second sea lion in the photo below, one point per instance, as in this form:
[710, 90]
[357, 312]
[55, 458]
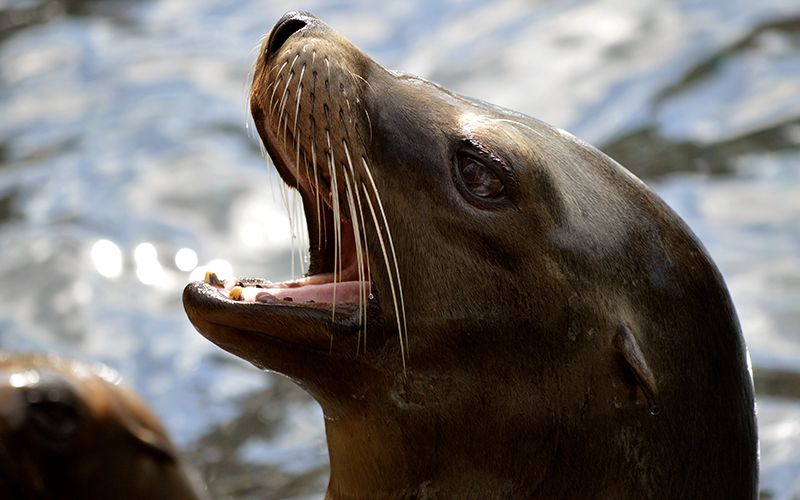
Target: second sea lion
[69, 430]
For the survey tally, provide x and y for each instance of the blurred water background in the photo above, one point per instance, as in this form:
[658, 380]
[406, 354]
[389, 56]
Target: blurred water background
[126, 165]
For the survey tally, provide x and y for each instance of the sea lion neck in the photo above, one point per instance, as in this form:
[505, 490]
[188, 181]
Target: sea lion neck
[430, 434]
[463, 423]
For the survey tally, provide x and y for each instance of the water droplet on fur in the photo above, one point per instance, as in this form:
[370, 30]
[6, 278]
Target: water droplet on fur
[371, 296]
[655, 410]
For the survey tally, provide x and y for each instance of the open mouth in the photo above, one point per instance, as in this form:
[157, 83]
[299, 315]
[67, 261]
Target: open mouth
[331, 300]
[337, 274]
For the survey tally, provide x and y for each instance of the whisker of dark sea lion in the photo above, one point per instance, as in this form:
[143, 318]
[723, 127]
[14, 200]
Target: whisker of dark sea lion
[293, 230]
[285, 96]
[357, 229]
[354, 75]
[289, 197]
[337, 225]
[279, 68]
[404, 331]
[349, 111]
[284, 191]
[296, 223]
[270, 168]
[296, 57]
[328, 65]
[258, 45]
[277, 102]
[306, 173]
[358, 101]
[388, 272]
[297, 97]
[369, 122]
[366, 260]
[359, 256]
[296, 132]
[313, 125]
[320, 221]
[275, 87]
[285, 127]
[247, 93]
[307, 241]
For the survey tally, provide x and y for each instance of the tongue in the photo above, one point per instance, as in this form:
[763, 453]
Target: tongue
[328, 293]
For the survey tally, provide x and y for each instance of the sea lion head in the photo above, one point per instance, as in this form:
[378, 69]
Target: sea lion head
[69, 430]
[509, 302]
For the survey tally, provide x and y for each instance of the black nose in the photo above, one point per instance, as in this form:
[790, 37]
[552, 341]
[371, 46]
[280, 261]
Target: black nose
[289, 24]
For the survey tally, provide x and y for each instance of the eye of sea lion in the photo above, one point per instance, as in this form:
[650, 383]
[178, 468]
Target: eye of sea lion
[52, 414]
[482, 178]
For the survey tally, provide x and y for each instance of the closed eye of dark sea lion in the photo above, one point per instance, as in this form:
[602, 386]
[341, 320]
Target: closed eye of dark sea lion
[493, 308]
[68, 430]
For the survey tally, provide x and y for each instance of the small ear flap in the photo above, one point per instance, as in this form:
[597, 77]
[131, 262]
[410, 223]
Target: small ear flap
[152, 441]
[142, 426]
[626, 343]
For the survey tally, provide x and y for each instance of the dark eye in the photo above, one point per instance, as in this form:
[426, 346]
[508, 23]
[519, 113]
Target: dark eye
[480, 181]
[52, 415]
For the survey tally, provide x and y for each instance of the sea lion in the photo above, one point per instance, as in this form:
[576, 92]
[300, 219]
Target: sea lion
[493, 308]
[69, 430]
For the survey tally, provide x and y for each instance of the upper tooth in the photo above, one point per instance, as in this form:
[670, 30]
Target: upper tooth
[235, 293]
[212, 279]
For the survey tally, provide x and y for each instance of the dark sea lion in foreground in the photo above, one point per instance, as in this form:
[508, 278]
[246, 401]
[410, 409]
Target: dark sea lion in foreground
[68, 430]
[493, 308]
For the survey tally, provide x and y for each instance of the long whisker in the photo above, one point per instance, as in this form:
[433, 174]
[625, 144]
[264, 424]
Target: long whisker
[404, 331]
[298, 94]
[284, 191]
[357, 225]
[388, 273]
[295, 131]
[313, 125]
[286, 88]
[360, 78]
[293, 223]
[320, 221]
[369, 122]
[366, 260]
[337, 226]
[357, 238]
[275, 86]
[298, 206]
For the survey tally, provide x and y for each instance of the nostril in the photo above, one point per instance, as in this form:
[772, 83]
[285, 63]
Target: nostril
[284, 28]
